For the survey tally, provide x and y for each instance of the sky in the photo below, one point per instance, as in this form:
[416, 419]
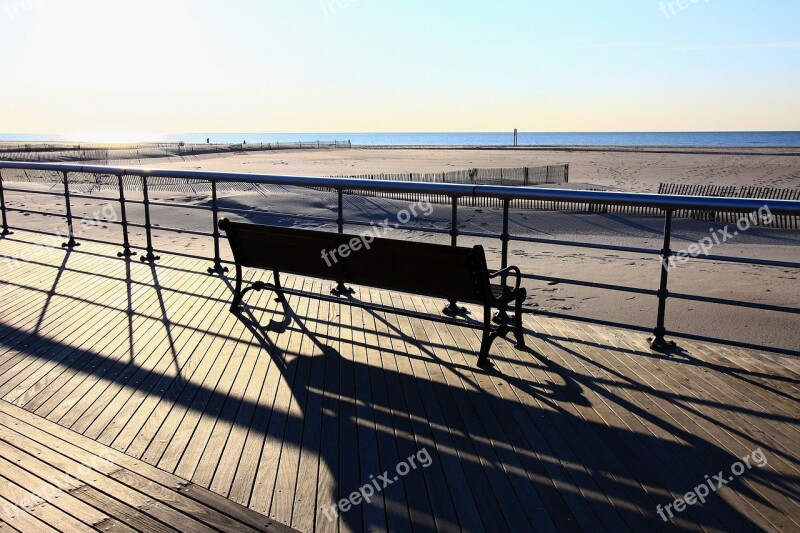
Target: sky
[167, 66]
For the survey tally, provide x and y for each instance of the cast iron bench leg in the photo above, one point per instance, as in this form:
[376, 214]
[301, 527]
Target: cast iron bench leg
[236, 305]
[519, 333]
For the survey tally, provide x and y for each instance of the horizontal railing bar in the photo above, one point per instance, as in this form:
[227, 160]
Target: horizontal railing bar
[737, 303]
[34, 191]
[61, 193]
[659, 201]
[34, 212]
[98, 241]
[746, 261]
[633, 327]
[591, 284]
[665, 202]
[479, 234]
[168, 229]
[168, 204]
[577, 244]
[400, 227]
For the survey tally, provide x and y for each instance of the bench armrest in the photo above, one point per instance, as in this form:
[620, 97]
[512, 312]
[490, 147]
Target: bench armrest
[512, 269]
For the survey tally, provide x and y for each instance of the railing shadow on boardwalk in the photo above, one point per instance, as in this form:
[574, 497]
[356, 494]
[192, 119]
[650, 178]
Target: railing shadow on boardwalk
[542, 447]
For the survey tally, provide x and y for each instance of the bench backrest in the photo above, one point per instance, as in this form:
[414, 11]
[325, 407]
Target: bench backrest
[296, 251]
[437, 270]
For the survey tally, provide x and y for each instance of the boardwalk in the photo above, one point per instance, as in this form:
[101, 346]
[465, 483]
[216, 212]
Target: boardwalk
[290, 408]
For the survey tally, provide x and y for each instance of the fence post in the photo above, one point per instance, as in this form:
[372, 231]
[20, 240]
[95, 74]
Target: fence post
[150, 257]
[71, 242]
[6, 231]
[340, 288]
[217, 268]
[659, 343]
[126, 245]
[566, 173]
[525, 176]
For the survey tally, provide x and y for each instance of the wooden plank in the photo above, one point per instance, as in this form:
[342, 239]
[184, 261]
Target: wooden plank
[160, 354]
[185, 448]
[56, 493]
[148, 481]
[106, 485]
[94, 407]
[82, 409]
[170, 436]
[308, 348]
[241, 484]
[25, 363]
[249, 407]
[168, 381]
[22, 520]
[383, 357]
[88, 372]
[444, 509]
[306, 513]
[285, 352]
[687, 455]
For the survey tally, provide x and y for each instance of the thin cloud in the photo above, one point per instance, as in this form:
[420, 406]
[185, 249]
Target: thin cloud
[788, 45]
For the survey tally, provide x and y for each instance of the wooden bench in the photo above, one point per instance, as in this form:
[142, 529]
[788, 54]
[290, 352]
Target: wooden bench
[450, 272]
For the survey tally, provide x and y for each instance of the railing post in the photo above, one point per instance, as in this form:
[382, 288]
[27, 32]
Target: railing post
[505, 237]
[6, 231]
[453, 308]
[68, 202]
[217, 268]
[150, 257]
[659, 343]
[340, 211]
[454, 222]
[340, 288]
[126, 245]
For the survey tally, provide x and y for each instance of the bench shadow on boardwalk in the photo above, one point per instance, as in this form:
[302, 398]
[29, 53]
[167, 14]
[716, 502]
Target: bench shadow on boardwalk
[295, 404]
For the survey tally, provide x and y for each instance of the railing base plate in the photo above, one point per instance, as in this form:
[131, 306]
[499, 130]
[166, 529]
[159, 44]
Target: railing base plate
[662, 345]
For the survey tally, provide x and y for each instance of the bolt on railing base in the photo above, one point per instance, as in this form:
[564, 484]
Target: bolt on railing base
[217, 269]
[660, 344]
[454, 309]
[126, 253]
[342, 290]
[149, 258]
[72, 243]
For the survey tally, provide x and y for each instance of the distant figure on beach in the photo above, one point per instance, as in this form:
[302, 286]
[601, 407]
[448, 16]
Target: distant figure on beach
[208, 140]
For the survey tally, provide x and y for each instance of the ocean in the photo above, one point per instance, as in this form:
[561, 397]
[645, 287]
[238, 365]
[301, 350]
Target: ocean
[710, 139]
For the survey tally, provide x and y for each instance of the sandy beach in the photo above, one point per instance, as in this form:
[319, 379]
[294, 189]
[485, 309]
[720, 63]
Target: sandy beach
[631, 170]
[628, 169]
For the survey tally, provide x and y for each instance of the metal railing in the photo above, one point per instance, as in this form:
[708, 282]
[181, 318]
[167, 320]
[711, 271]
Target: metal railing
[667, 204]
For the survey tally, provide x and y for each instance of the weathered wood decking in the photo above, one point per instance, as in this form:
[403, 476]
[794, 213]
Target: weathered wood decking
[289, 409]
